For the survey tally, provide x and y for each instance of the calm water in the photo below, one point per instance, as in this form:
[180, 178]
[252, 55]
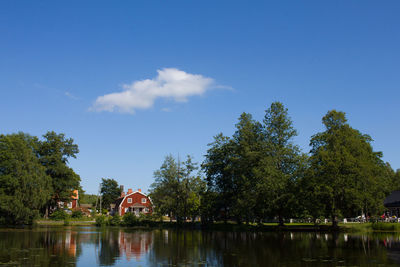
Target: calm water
[91, 246]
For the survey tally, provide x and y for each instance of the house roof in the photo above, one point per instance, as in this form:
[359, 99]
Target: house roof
[393, 200]
[121, 199]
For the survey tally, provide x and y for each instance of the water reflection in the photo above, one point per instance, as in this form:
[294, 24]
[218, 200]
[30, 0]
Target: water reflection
[90, 246]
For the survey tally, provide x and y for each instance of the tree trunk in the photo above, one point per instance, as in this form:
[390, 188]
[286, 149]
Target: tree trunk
[334, 222]
[225, 216]
[281, 223]
[46, 213]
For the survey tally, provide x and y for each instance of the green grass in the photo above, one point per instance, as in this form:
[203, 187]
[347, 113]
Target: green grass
[70, 222]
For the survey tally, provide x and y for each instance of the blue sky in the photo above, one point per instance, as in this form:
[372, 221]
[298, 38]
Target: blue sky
[187, 69]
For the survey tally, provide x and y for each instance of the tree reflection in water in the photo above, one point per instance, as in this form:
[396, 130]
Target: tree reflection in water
[76, 246]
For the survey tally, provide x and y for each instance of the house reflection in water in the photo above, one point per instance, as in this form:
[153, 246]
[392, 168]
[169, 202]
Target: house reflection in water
[66, 245]
[134, 245]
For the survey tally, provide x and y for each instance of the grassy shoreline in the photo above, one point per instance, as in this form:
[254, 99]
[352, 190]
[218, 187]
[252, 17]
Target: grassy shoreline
[267, 227]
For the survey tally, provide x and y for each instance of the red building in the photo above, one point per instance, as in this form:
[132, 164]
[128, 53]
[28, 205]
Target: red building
[135, 202]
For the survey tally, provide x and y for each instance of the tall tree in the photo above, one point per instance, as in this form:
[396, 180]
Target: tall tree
[175, 189]
[280, 167]
[24, 185]
[349, 175]
[110, 192]
[54, 152]
[219, 170]
[247, 154]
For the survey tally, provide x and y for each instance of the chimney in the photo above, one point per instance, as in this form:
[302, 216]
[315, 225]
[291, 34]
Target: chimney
[140, 190]
[129, 191]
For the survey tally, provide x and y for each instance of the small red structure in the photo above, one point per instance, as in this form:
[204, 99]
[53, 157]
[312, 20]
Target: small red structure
[73, 204]
[135, 202]
[74, 200]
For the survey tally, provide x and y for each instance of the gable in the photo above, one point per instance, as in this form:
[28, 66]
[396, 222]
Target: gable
[136, 198]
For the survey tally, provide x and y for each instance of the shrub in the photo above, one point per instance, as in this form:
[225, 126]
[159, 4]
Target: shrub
[77, 214]
[101, 220]
[59, 215]
[115, 220]
[130, 219]
[145, 218]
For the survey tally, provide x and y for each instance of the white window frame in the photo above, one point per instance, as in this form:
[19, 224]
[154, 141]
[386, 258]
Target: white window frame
[144, 200]
[129, 200]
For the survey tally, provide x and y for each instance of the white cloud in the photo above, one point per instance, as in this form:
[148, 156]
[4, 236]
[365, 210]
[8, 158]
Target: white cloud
[170, 83]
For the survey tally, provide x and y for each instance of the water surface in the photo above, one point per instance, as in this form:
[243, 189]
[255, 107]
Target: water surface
[91, 246]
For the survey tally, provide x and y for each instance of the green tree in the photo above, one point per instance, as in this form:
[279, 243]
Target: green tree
[24, 185]
[280, 168]
[175, 190]
[248, 148]
[219, 171]
[254, 173]
[349, 177]
[110, 192]
[54, 152]
[87, 198]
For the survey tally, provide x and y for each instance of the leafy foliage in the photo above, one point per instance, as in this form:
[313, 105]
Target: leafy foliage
[348, 176]
[54, 152]
[24, 185]
[34, 175]
[176, 191]
[259, 173]
[110, 191]
[130, 219]
[77, 214]
[59, 215]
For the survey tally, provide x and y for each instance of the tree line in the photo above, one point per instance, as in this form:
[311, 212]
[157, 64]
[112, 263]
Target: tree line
[34, 175]
[259, 174]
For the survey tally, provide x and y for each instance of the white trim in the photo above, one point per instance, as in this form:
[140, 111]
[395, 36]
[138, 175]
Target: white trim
[151, 202]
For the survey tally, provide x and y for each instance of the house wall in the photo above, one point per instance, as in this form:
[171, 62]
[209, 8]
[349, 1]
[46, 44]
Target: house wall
[136, 198]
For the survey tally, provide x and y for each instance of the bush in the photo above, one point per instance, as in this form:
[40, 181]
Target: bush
[101, 220]
[77, 214]
[130, 219]
[115, 220]
[59, 215]
[146, 218]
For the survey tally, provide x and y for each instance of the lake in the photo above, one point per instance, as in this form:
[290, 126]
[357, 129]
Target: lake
[91, 246]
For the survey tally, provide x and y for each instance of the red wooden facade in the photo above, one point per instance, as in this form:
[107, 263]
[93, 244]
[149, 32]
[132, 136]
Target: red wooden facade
[135, 202]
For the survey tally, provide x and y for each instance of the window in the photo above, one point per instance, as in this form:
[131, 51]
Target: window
[129, 200]
[146, 210]
[144, 200]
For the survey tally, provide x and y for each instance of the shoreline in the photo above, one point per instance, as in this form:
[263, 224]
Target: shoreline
[268, 227]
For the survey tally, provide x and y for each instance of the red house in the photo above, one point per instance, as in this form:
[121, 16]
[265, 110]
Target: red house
[135, 202]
